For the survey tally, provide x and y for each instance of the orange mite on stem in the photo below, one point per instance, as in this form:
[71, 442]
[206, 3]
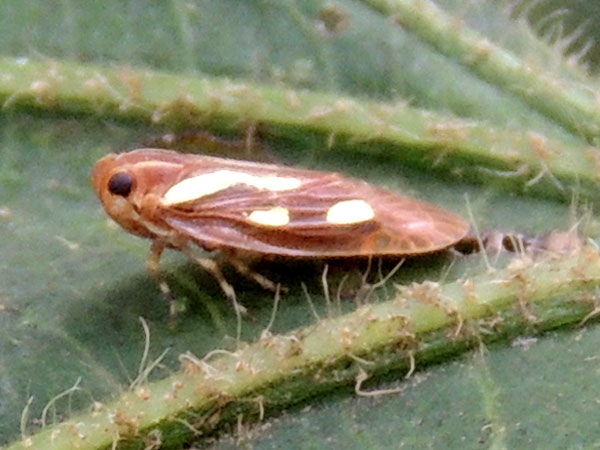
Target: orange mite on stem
[185, 201]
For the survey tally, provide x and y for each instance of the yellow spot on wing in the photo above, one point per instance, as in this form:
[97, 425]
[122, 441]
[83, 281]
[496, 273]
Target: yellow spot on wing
[275, 217]
[274, 184]
[349, 212]
[202, 185]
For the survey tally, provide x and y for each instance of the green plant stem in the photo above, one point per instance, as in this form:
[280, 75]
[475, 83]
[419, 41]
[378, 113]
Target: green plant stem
[423, 321]
[572, 105]
[521, 159]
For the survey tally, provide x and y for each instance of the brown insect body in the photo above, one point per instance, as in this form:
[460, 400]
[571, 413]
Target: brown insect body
[261, 209]
[265, 209]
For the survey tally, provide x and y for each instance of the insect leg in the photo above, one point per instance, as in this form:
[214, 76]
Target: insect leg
[246, 271]
[211, 266]
[152, 264]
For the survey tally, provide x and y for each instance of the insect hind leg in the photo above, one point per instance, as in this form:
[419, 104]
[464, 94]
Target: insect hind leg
[211, 266]
[246, 271]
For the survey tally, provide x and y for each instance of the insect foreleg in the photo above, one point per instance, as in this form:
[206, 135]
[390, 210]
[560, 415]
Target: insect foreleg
[152, 264]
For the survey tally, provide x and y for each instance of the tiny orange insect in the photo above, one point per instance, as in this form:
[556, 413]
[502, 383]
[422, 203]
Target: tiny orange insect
[184, 201]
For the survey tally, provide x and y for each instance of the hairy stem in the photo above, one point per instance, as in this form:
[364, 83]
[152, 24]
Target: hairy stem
[422, 323]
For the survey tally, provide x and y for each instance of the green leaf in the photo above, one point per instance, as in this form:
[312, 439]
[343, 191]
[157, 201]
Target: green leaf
[456, 104]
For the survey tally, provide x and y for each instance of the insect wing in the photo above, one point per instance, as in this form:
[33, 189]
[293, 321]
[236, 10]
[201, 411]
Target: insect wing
[304, 213]
[267, 209]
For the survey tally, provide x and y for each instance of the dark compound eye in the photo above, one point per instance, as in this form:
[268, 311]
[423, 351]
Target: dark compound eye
[120, 184]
